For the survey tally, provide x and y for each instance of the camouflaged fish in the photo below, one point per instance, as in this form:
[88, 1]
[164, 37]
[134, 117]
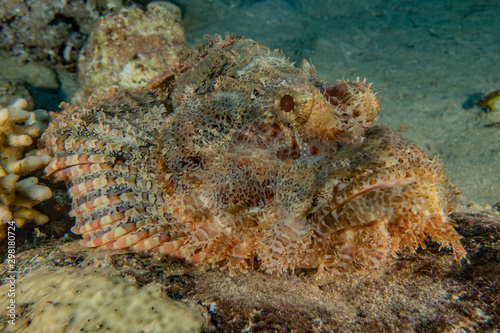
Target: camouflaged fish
[237, 156]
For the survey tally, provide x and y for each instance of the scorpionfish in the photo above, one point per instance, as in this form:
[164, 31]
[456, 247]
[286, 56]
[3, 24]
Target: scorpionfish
[237, 156]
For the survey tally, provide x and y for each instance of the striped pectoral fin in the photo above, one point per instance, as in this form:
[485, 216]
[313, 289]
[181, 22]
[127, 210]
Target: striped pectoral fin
[107, 176]
[179, 250]
[116, 199]
[62, 163]
[107, 197]
[83, 227]
[171, 247]
[139, 235]
[77, 171]
[116, 214]
[106, 190]
[94, 204]
[104, 236]
[152, 242]
[135, 228]
[200, 243]
[112, 222]
[117, 206]
[77, 155]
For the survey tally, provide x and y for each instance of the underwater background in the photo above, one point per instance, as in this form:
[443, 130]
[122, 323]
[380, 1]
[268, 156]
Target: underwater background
[429, 61]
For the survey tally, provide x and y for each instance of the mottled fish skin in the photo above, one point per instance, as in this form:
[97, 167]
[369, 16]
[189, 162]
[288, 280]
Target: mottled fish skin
[237, 155]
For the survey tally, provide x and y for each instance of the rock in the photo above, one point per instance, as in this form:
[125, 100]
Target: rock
[36, 75]
[50, 31]
[130, 47]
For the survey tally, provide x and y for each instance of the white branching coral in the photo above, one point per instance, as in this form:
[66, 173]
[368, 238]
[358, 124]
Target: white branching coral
[19, 130]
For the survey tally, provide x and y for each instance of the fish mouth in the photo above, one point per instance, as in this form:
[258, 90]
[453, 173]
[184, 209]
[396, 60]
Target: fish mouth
[334, 216]
[413, 199]
[385, 177]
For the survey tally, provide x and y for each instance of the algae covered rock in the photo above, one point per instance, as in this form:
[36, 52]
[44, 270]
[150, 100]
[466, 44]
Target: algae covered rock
[32, 75]
[129, 47]
[11, 91]
[50, 30]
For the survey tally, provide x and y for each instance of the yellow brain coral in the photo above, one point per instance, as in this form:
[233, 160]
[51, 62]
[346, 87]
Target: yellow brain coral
[83, 300]
[19, 130]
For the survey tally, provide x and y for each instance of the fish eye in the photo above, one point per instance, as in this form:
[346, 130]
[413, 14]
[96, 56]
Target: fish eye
[287, 103]
[293, 104]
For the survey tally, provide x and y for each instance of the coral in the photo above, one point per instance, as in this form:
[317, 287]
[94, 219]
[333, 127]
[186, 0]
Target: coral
[77, 300]
[129, 47]
[237, 155]
[51, 30]
[19, 130]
